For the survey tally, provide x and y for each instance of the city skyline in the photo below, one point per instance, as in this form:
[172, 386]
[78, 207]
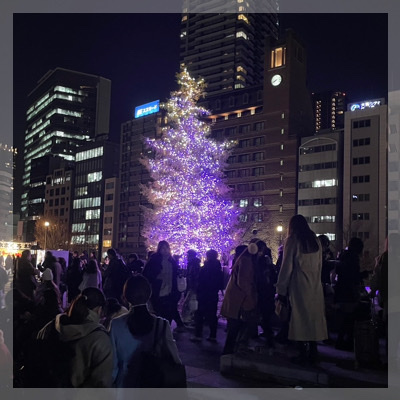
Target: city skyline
[138, 76]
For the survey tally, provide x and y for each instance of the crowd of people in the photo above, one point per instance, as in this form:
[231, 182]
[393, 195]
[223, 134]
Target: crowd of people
[102, 317]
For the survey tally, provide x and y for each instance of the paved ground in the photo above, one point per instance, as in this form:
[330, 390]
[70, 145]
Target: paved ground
[271, 369]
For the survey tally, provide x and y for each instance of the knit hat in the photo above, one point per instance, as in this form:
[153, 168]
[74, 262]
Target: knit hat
[47, 275]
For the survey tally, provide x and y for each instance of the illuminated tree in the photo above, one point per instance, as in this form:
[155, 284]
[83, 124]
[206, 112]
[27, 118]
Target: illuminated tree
[191, 205]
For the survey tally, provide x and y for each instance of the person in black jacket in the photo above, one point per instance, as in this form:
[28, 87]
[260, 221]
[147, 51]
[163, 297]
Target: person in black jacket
[115, 276]
[210, 283]
[347, 291]
[162, 271]
[74, 277]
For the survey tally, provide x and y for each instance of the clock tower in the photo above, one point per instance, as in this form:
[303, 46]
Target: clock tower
[285, 90]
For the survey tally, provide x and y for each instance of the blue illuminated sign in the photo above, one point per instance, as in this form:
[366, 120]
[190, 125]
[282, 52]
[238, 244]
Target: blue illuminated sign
[364, 105]
[146, 109]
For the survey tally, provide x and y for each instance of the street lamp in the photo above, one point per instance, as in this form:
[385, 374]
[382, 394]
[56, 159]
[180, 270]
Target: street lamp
[280, 230]
[46, 224]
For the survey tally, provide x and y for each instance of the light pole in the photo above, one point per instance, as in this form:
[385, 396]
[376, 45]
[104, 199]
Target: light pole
[46, 224]
[280, 230]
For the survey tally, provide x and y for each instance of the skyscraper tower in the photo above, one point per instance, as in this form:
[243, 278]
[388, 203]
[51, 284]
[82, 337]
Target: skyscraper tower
[67, 108]
[224, 42]
[329, 108]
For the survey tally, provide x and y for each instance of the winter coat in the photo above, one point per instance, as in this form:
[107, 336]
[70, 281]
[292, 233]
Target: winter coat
[347, 288]
[241, 291]
[74, 278]
[114, 278]
[152, 270]
[300, 280]
[91, 280]
[92, 359]
[25, 280]
[193, 270]
[210, 282]
[126, 347]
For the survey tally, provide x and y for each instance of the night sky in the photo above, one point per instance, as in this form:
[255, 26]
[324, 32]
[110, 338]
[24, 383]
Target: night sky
[139, 53]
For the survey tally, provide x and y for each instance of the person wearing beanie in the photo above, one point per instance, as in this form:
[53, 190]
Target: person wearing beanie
[46, 284]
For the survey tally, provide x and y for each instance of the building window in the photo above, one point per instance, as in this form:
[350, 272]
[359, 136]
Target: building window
[257, 186]
[108, 208]
[243, 218]
[110, 185]
[241, 34]
[243, 203]
[281, 162]
[258, 156]
[244, 173]
[278, 56]
[280, 208]
[258, 202]
[244, 158]
[258, 141]
[245, 143]
[257, 217]
[110, 197]
[231, 174]
[259, 126]
[244, 128]
[243, 187]
[231, 159]
[258, 171]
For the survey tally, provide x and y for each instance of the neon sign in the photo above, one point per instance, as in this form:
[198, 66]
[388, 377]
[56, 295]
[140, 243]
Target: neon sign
[148, 108]
[364, 105]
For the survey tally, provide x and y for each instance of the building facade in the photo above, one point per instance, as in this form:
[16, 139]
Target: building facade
[329, 108]
[365, 183]
[7, 154]
[95, 163]
[320, 184]
[268, 122]
[67, 108]
[133, 175]
[224, 42]
[393, 162]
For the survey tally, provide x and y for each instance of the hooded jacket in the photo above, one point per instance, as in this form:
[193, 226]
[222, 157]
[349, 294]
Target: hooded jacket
[92, 362]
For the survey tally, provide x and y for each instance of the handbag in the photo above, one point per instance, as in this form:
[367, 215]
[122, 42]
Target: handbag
[282, 311]
[181, 283]
[158, 370]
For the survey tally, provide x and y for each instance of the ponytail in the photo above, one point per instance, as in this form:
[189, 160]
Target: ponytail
[89, 299]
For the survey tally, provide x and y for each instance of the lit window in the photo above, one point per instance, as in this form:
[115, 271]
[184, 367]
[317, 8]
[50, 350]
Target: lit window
[278, 57]
[281, 162]
[243, 203]
[243, 17]
[106, 243]
[258, 202]
[239, 86]
[241, 8]
[282, 131]
[184, 18]
[241, 34]
[283, 115]
[241, 69]
[281, 146]
[94, 177]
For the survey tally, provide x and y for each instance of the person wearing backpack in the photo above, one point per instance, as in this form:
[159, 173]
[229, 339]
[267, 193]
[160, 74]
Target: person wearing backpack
[138, 333]
[75, 347]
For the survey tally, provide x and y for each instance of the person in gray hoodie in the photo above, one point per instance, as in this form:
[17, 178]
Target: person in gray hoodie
[91, 363]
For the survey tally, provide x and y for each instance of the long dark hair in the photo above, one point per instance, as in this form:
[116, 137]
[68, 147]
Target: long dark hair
[137, 291]
[89, 299]
[299, 228]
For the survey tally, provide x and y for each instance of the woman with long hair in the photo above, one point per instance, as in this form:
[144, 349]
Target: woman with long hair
[91, 276]
[162, 272]
[135, 332]
[299, 283]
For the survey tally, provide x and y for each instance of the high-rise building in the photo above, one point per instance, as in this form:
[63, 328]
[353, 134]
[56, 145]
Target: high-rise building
[365, 175]
[96, 162]
[320, 184]
[7, 154]
[224, 42]
[329, 108]
[67, 108]
[133, 174]
[267, 121]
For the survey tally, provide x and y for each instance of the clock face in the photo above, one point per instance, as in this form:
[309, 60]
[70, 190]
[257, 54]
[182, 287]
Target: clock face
[276, 80]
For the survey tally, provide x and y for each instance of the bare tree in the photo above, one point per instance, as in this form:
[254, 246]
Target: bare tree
[53, 236]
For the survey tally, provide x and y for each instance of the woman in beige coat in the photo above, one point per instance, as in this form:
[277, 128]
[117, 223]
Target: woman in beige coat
[240, 300]
[299, 281]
